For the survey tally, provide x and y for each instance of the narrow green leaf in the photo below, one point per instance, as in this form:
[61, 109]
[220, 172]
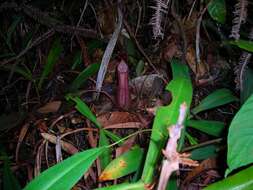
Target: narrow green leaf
[105, 157]
[217, 10]
[125, 186]
[240, 181]
[247, 84]
[84, 75]
[123, 165]
[204, 152]
[12, 28]
[191, 139]
[113, 137]
[77, 60]
[181, 89]
[64, 175]
[240, 138]
[83, 109]
[217, 98]
[213, 128]
[243, 44]
[52, 58]
[23, 71]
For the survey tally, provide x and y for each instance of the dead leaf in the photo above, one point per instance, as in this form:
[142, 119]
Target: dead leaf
[112, 118]
[128, 125]
[69, 148]
[199, 70]
[21, 137]
[205, 165]
[127, 145]
[50, 107]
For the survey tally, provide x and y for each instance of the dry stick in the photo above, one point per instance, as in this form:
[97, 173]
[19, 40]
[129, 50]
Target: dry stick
[80, 19]
[172, 157]
[214, 141]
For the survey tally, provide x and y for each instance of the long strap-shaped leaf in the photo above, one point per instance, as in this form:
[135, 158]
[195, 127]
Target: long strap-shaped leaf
[108, 53]
[181, 89]
[64, 175]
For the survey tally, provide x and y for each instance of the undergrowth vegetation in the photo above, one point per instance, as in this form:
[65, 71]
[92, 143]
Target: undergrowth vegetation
[126, 95]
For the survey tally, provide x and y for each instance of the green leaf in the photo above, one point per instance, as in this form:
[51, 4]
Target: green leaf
[191, 139]
[217, 98]
[52, 58]
[77, 60]
[83, 109]
[217, 10]
[125, 186]
[240, 138]
[113, 137]
[243, 44]
[123, 165]
[9, 180]
[24, 71]
[247, 84]
[64, 175]
[84, 75]
[181, 89]
[105, 157]
[240, 181]
[213, 128]
[204, 152]
[12, 28]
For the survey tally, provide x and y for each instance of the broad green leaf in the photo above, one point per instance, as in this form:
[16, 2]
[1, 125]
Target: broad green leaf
[139, 68]
[105, 157]
[125, 186]
[243, 44]
[240, 181]
[123, 165]
[52, 58]
[213, 128]
[84, 75]
[240, 138]
[204, 152]
[83, 109]
[8, 179]
[247, 84]
[181, 89]
[217, 98]
[64, 175]
[217, 10]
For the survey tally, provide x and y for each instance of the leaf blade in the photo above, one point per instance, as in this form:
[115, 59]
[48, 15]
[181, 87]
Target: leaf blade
[215, 99]
[65, 174]
[240, 138]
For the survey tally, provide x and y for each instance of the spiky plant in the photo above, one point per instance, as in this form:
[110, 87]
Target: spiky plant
[241, 67]
[160, 7]
[240, 15]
